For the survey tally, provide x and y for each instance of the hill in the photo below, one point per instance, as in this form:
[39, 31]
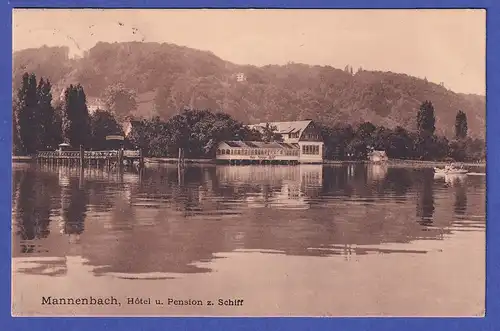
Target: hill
[167, 78]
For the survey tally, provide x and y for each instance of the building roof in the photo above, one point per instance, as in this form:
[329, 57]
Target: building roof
[378, 153]
[284, 127]
[260, 144]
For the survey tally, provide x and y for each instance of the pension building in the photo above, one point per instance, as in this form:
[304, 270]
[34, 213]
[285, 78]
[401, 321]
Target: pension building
[302, 143]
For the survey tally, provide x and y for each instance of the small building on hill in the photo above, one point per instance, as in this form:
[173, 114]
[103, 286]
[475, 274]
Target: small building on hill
[241, 77]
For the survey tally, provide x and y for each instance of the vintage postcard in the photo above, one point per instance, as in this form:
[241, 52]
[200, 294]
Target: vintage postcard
[248, 162]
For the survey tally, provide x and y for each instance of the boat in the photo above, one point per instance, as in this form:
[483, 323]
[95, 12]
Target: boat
[450, 170]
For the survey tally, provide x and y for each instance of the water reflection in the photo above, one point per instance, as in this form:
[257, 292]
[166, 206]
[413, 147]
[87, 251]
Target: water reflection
[461, 199]
[33, 203]
[425, 197]
[171, 220]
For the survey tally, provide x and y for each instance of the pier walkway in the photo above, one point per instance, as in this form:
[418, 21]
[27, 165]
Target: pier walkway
[82, 158]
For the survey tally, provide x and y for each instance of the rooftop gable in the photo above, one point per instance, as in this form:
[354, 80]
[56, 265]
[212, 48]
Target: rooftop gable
[258, 144]
[284, 127]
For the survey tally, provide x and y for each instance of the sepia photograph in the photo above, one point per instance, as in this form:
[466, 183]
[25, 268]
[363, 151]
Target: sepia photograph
[249, 162]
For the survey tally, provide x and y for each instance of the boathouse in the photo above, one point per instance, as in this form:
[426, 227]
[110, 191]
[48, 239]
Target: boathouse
[377, 156]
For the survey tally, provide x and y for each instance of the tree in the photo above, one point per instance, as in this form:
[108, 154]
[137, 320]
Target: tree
[426, 126]
[150, 135]
[475, 149]
[400, 144]
[47, 126]
[426, 121]
[336, 139]
[56, 135]
[102, 124]
[357, 148]
[197, 132]
[461, 125]
[76, 120]
[269, 133]
[365, 134]
[457, 150]
[17, 147]
[120, 101]
[26, 114]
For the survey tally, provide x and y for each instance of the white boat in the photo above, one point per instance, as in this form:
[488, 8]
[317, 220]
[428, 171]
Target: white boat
[450, 170]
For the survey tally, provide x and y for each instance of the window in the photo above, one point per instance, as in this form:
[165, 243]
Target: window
[228, 151]
[310, 149]
[218, 151]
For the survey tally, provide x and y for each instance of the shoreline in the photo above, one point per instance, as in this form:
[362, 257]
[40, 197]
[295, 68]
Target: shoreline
[391, 163]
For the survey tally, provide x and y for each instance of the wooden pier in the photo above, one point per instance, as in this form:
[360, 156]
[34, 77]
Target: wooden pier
[105, 159]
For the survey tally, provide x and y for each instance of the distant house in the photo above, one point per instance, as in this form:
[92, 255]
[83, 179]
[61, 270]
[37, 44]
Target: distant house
[94, 104]
[129, 124]
[240, 77]
[302, 143]
[377, 156]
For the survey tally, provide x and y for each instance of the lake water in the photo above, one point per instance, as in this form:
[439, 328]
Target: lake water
[308, 240]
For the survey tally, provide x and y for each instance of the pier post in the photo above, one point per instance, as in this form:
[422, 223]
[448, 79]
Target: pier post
[82, 156]
[180, 160]
[80, 178]
[141, 158]
[180, 174]
[120, 158]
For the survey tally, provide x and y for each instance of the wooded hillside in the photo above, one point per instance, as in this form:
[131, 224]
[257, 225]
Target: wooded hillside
[166, 78]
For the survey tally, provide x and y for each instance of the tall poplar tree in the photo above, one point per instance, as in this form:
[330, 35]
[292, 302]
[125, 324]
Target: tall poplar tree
[76, 119]
[46, 134]
[426, 120]
[461, 125]
[426, 126]
[17, 147]
[26, 114]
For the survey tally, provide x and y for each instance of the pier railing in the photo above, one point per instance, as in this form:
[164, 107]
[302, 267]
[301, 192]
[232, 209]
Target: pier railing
[88, 154]
[132, 153]
[77, 155]
[109, 158]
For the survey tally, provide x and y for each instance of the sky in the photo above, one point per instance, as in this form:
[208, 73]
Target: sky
[444, 46]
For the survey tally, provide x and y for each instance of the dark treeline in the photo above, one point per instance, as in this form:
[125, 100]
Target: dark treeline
[197, 132]
[343, 141]
[39, 125]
